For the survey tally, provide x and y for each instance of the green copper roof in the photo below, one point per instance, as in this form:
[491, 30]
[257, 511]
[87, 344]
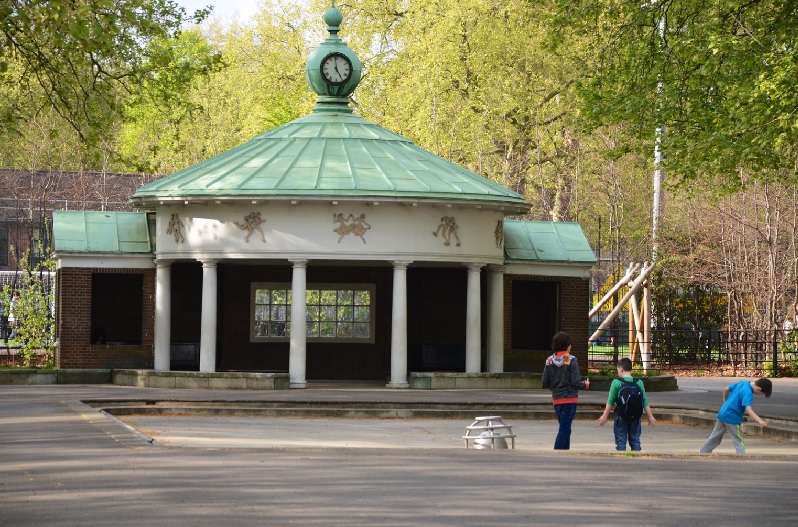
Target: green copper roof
[546, 241]
[328, 154]
[100, 232]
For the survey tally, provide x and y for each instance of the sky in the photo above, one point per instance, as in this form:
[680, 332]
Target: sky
[223, 9]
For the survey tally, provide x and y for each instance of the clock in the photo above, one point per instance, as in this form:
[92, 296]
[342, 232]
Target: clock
[336, 68]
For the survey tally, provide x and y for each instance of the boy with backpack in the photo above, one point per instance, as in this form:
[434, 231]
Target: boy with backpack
[628, 397]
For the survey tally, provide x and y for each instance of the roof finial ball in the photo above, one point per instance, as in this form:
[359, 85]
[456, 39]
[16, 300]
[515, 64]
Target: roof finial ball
[333, 70]
[333, 18]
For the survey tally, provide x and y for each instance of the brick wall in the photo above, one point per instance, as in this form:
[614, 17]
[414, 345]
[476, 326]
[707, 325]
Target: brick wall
[74, 324]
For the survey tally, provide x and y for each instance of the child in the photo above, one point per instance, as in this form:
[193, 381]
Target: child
[561, 375]
[627, 428]
[737, 400]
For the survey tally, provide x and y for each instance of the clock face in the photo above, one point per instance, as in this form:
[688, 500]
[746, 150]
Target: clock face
[336, 68]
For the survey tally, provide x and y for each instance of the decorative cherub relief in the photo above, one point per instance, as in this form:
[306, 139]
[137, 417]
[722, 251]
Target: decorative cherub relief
[448, 228]
[176, 228]
[499, 233]
[358, 226]
[251, 224]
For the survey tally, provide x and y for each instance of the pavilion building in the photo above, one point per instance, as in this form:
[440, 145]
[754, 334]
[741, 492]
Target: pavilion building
[328, 248]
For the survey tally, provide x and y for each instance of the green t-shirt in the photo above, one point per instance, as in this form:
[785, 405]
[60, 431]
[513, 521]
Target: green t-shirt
[615, 387]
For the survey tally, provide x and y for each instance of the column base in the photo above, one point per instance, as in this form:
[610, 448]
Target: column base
[298, 385]
[398, 385]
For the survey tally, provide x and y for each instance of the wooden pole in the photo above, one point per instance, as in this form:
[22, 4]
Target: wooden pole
[638, 322]
[647, 324]
[622, 282]
[636, 284]
[632, 341]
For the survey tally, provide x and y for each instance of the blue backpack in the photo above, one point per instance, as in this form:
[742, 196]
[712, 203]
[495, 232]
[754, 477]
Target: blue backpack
[629, 406]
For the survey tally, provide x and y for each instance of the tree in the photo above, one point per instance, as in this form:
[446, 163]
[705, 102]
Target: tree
[743, 246]
[478, 88]
[261, 86]
[33, 310]
[83, 58]
[718, 77]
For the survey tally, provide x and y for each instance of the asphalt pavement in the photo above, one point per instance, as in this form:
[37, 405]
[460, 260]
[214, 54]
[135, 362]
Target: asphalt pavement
[65, 463]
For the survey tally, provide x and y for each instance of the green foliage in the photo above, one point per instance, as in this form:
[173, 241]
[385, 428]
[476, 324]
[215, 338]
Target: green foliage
[719, 78]
[33, 311]
[255, 82]
[679, 302]
[83, 59]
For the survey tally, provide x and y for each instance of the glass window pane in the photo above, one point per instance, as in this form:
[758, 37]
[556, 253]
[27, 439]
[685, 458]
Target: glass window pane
[278, 329]
[345, 313]
[345, 330]
[361, 331]
[362, 298]
[261, 329]
[345, 297]
[327, 298]
[327, 329]
[327, 313]
[362, 314]
[312, 297]
[279, 296]
[262, 296]
[330, 313]
[279, 313]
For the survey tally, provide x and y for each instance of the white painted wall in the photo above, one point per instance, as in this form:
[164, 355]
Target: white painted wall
[397, 231]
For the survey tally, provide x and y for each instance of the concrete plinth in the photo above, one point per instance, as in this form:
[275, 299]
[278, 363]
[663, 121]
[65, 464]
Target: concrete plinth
[473, 381]
[201, 380]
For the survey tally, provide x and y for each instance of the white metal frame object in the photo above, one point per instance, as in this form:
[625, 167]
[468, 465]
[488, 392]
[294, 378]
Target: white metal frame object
[489, 432]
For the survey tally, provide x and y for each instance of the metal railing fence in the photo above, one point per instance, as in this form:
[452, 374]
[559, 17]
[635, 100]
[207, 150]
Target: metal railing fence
[775, 351]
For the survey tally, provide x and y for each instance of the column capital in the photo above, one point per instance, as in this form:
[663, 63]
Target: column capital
[163, 263]
[495, 268]
[209, 262]
[299, 262]
[475, 266]
[401, 264]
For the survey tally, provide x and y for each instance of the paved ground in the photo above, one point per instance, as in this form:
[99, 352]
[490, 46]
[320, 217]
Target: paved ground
[63, 466]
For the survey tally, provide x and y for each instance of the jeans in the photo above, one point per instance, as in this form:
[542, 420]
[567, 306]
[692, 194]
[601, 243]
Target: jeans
[627, 430]
[565, 415]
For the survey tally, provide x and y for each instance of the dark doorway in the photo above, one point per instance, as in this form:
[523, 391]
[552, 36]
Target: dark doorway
[535, 312]
[436, 319]
[116, 308]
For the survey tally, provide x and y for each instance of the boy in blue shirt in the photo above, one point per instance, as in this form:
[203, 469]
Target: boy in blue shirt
[626, 430]
[737, 400]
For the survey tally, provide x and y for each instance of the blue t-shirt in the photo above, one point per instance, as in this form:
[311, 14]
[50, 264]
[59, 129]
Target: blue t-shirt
[740, 395]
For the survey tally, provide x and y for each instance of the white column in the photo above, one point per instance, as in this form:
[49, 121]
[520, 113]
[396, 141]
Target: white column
[496, 319]
[399, 327]
[209, 309]
[163, 315]
[297, 349]
[473, 330]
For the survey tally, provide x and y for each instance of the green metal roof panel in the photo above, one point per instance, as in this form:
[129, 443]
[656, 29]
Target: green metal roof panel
[101, 232]
[328, 154]
[546, 241]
